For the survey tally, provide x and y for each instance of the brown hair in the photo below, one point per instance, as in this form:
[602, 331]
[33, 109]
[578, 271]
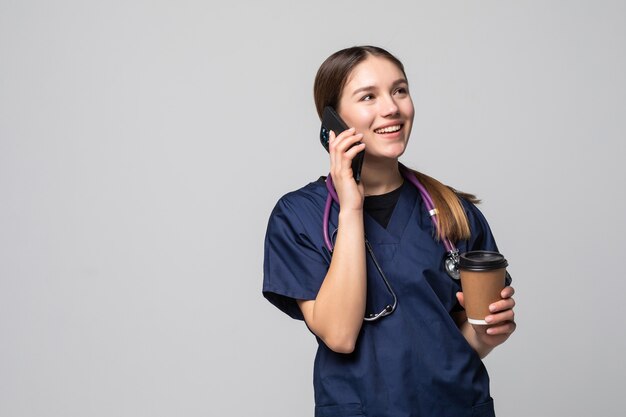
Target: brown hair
[451, 219]
[329, 82]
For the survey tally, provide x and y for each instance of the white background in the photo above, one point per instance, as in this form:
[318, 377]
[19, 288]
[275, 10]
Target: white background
[143, 145]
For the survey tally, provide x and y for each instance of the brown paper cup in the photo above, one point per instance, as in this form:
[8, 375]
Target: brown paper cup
[482, 280]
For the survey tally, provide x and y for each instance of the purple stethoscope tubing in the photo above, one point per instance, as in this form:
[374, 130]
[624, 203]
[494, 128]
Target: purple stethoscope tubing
[409, 176]
[450, 263]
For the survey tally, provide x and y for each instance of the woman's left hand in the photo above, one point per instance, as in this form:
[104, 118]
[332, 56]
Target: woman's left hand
[501, 323]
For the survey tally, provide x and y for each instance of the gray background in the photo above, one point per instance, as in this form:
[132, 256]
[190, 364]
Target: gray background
[143, 145]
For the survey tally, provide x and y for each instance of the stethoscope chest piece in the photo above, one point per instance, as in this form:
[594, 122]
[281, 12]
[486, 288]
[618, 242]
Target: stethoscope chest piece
[451, 264]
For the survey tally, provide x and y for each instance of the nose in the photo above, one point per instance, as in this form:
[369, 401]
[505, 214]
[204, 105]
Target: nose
[389, 107]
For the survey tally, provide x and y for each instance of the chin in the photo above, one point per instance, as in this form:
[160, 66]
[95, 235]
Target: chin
[389, 152]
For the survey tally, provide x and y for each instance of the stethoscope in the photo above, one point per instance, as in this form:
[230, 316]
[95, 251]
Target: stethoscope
[451, 262]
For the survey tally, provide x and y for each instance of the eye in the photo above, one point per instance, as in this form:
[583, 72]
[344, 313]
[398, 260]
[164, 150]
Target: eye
[367, 97]
[401, 90]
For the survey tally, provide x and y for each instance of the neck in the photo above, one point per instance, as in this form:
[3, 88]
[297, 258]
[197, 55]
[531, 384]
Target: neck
[380, 176]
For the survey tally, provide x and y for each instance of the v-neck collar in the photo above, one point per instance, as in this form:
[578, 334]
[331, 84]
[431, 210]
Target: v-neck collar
[397, 223]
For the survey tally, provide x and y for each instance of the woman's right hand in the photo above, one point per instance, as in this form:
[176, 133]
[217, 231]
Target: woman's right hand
[336, 314]
[350, 193]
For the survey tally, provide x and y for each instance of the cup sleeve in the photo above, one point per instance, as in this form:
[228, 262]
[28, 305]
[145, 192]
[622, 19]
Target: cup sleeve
[294, 267]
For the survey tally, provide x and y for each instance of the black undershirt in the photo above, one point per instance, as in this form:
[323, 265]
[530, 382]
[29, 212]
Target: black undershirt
[379, 207]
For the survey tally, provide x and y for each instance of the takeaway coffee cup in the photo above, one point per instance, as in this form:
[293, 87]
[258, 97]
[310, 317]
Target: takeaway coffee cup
[482, 281]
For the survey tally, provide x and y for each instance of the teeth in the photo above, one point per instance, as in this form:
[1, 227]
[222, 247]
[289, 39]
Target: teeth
[389, 129]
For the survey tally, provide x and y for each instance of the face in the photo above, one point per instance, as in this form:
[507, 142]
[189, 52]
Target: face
[376, 101]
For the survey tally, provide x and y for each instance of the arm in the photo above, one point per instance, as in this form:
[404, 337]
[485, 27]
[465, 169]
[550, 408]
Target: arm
[501, 324]
[336, 314]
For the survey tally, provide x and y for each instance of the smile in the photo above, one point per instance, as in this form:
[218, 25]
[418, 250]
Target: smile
[388, 129]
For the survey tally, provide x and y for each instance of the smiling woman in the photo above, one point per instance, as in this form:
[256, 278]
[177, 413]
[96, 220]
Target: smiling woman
[422, 357]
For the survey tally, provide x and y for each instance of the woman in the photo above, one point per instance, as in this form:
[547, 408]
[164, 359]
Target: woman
[420, 357]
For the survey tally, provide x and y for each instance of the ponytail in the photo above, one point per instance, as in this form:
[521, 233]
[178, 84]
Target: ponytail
[452, 220]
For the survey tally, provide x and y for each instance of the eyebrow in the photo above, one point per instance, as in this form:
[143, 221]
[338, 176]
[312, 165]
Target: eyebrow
[373, 87]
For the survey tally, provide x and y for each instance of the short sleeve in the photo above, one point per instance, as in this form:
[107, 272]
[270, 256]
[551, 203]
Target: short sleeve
[294, 266]
[481, 238]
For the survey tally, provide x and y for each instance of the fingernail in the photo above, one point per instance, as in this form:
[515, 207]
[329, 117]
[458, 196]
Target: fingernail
[489, 319]
[492, 308]
[489, 330]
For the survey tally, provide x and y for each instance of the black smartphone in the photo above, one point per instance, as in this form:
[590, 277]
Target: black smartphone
[332, 121]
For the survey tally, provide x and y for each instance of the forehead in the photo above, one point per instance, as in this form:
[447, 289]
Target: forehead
[373, 71]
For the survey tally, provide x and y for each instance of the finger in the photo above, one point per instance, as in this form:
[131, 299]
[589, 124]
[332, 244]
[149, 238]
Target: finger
[508, 315]
[504, 329]
[507, 292]
[331, 147]
[351, 153]
[335, 139]
[334, 145]
[349, 131]
[460, 298]
[502, 305]
[331, 137]
[343, 144]
[339, 137]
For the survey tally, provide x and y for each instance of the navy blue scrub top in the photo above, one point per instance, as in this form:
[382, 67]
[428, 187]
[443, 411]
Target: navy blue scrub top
[414, 362]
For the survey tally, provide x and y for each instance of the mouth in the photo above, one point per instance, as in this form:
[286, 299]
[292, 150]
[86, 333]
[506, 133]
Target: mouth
[388, 129]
